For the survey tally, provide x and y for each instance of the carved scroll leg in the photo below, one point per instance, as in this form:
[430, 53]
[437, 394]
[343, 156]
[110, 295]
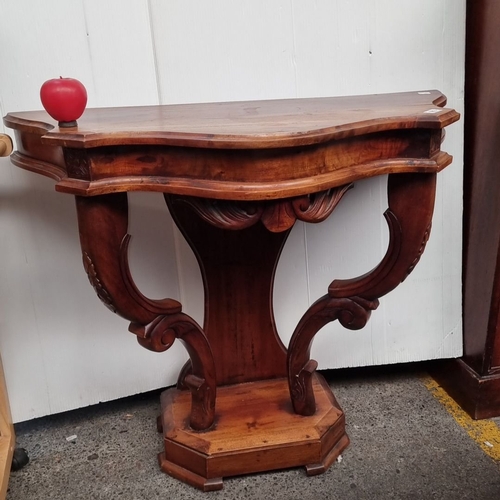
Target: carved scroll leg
[103, 222]
[409, 216]
[352, 312]
[160, 335]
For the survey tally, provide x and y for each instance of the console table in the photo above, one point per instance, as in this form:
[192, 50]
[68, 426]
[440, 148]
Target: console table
[235, 177]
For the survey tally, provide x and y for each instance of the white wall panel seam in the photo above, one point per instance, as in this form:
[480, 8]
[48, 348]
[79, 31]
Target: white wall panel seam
[155, 53]
[89, 49]
[294, 51]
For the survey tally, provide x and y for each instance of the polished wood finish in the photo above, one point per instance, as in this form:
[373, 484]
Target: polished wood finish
[248, 148]
[5, 145]
[7, 434]
[103, 222]
[238, 266]
[474, 380]
[255, 423]
[236, 177]
[409, 216]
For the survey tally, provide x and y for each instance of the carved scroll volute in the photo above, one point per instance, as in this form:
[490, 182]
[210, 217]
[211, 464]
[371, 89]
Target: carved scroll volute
[353, 313]
[281, 215]
[409, 216]
[102, 222]
[160, 335]
[319, 206]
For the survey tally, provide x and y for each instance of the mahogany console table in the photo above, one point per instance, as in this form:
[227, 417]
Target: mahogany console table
[236, 176]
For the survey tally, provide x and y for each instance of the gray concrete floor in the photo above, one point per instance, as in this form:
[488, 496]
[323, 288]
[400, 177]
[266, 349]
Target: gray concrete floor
[404, 445]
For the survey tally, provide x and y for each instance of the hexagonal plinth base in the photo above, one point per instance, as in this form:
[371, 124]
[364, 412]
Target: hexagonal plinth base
[255, 430]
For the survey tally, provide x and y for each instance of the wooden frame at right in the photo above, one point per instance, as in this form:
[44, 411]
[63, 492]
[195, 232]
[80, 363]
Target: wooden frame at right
[474, 380]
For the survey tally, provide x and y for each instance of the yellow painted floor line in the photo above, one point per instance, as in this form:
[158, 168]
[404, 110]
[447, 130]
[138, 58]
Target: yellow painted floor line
[484, 432]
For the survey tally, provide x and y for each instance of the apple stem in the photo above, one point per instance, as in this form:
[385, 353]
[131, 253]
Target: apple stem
[71, 124]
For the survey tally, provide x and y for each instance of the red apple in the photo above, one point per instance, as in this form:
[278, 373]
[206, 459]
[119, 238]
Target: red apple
[64, 99]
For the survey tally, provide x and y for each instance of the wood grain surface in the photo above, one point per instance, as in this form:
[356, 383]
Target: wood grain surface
[252, 150]
[243, 124]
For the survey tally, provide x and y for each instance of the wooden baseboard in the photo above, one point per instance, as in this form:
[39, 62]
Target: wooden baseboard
[478, 395]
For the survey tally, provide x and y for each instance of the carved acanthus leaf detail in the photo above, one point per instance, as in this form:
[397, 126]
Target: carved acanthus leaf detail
[96, 283]
[425, 239]
[276, 215]
[225, 214]
[318, 207]
[299, 384]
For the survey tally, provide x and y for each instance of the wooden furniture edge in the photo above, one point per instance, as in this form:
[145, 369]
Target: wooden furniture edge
[448, 117]
[421, 117]
[478, 395]
[6, 145]
[233, 190]
[7, 436]
[474, 380]
[195, 459]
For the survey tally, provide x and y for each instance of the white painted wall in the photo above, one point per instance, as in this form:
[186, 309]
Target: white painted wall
[61, 348]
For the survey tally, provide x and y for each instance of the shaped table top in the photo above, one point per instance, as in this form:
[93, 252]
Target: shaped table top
[244, 124]
[237, 150]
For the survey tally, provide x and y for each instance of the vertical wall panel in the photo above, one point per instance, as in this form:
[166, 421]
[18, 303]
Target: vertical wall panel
[364, 47]
[41, 40]
[63, 350]
[223, 50]
[121, 52]
[332, 46]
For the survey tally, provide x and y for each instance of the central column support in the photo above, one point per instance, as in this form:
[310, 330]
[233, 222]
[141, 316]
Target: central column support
[237, 268]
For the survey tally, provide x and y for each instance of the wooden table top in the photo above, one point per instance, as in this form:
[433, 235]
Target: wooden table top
[237, 150]
[243, 125]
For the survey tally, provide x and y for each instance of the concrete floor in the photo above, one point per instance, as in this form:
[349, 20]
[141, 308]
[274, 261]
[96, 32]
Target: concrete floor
[404, 445]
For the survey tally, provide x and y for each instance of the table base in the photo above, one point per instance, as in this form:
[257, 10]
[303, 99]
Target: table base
[255, 430]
